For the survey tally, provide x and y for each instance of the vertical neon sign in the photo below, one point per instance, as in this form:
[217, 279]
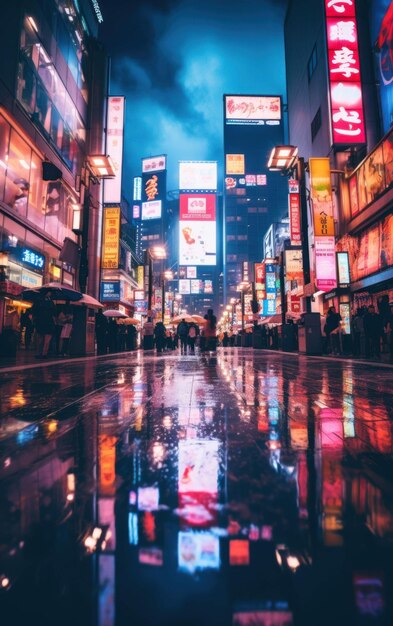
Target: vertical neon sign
[346, 101]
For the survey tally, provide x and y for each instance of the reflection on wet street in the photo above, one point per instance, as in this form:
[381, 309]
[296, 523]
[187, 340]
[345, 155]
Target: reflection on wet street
[244, 489]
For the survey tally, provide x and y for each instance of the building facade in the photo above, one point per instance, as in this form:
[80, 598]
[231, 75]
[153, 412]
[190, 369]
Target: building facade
[53, 83]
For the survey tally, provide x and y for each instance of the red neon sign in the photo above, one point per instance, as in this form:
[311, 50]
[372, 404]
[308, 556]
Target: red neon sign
[347, 115]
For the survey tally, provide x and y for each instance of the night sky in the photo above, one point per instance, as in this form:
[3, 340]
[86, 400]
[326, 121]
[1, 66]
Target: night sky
[174, 60]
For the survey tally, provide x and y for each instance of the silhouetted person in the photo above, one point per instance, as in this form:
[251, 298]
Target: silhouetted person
[160, 336]
[101, 332]
[182, 331]
[373, 328]
[210, 331]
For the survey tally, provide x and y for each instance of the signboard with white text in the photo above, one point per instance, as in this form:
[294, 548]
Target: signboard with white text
[154, 164]
[325, 263]
[346, 99]
[198, 175]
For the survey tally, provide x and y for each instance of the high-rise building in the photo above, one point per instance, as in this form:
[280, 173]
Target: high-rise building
[253, 197]
[53, 84]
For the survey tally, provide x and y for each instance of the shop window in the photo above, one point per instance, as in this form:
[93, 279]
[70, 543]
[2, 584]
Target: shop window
[66, 145]
[4, 141]
[27, 86]
[18, 174]
[56, 130]
[35, 211]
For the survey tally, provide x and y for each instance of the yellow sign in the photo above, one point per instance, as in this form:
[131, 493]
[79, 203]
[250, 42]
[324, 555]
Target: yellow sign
[111, 237]
[235, 164]
[321, 197]
[141, 276]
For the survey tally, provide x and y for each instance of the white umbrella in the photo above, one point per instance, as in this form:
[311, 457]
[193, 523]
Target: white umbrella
[114, 313]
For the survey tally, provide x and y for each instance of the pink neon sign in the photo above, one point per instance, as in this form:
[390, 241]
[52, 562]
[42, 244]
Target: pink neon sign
[347, 115]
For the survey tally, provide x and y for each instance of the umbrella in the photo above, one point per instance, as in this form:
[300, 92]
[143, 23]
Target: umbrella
[179, 318]
[114, 313]
[132, 320]
[59, 291]
[90, 301]
[198, 319]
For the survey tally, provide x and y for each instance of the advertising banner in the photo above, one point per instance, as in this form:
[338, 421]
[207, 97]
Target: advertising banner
[153, 186]
[321, 197]
[252, 109]
[184, 287]
[382, 44]
[325, 263]
[294, 219]
[294, 265]
[343, 269]
[140, 276]
[260, 274]
[196, 286]
[111, 237]
[110, 291]
[198, 175]
[235, 164]
[346, 101]
[154, 164]
[151, 210]
[136, 211]
[114, 147]
[137, 190]
[197, 229]
[191, 272]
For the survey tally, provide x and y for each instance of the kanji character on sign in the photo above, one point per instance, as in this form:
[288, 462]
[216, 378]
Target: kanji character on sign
[339, 5]
[350, 118]
[344, 58]
[343, 31]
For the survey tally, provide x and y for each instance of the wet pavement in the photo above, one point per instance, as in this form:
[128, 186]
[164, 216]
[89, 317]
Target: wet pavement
[242, 489]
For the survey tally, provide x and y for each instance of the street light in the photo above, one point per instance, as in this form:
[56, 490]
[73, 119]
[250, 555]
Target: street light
[285, 159]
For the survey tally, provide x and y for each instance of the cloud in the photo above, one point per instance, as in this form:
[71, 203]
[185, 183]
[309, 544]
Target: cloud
[175, 59]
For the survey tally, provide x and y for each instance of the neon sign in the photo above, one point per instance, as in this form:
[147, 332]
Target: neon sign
[346, 102]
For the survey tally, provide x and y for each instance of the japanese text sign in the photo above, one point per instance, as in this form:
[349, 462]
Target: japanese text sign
[111, 237]
[294, 218]
[114, 147]
[347, 115]
[321, 196]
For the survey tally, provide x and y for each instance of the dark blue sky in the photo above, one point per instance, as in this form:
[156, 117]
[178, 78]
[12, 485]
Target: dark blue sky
[174, 60]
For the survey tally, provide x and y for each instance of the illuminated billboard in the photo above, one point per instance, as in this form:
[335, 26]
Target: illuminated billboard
[198, 551]
[114, 147]
[197, 229]
[111, 238]
[153, 186]
[198, 175]
[152, 210]
[235, 164]
[253, 110]
[382, 44]
[184, 287]
[154, 164]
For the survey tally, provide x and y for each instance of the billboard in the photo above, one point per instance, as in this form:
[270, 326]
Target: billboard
[184, 287]
[114, 147]
[198, 175]
[235, 164]
[152, 210]
[197, 229]
[321, 196]
[153, 186]
[110, 291]
[346, 98]
[111, 237]
[154, 164]
[382, 44]
[325, 263]
[294, 265]
[252, 110]
[343, 269]
[294, 219]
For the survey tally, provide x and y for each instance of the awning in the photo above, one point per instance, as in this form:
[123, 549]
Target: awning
[90, 301]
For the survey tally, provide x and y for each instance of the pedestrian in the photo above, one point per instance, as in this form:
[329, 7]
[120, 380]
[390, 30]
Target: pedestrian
[225, 340]
[373, 330]
[182, 331]
[113, 335]
[101, 332]
[193, 332]
[26, 325]
[122, 337]
[44, 316]
[131, 337]
[210, 331]
[357, 332]
[66, 330]
[332, 325]
[160, 336]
